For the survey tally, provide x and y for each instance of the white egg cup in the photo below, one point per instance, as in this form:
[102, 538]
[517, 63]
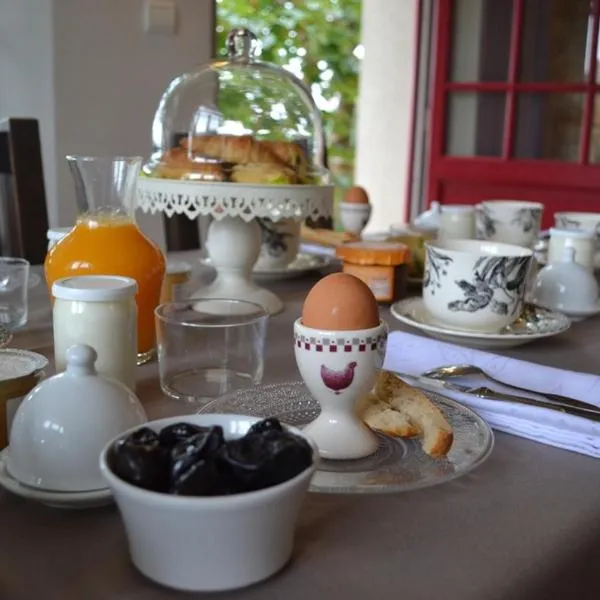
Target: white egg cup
[338, 367]
[354, 217]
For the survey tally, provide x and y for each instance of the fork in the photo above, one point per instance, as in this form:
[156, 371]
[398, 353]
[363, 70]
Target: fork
[451, 371]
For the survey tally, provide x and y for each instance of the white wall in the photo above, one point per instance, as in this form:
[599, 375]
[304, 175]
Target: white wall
[387, 82]
[93, 77]
[27, 73]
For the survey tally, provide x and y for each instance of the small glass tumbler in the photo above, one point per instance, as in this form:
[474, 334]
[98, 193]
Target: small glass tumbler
[14, 283]
[209, 347]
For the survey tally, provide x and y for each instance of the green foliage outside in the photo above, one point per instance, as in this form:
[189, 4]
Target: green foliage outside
[318, 40]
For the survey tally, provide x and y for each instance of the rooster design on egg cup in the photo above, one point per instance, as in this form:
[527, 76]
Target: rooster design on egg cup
[338, 368]
[338, 380]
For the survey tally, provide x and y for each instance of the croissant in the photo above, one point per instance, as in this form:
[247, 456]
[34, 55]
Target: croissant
[290, 153]
[263, 173]
[176, 164]
[231, 149]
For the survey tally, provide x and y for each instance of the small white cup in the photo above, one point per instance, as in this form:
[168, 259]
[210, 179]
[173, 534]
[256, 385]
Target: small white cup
[457, 221]
[475, 285]
[279, 245]
[579, 220]
[582, 240]
[509, 221]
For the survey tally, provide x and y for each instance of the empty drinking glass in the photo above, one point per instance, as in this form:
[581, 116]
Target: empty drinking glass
[209, 347]
[14, 283]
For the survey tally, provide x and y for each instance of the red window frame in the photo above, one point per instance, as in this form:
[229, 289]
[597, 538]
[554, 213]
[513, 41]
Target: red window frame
[528, 175]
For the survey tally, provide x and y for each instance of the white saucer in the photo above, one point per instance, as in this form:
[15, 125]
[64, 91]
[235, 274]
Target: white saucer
[545, 323]
[581, 314]
[304, 264]
[91, 499]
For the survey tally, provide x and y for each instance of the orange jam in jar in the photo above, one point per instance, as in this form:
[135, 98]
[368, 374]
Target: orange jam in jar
[383, 266]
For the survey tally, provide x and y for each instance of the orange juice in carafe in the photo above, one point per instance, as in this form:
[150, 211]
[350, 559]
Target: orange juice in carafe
[106, 239]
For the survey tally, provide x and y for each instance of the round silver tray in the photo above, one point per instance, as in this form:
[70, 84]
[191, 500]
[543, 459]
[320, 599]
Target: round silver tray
[399, 465]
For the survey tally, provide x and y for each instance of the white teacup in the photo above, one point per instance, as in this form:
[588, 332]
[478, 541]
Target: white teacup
[338, 367]
[457, 221]
[280, 241]
[475, 285]
[509, 221]
[579, 220]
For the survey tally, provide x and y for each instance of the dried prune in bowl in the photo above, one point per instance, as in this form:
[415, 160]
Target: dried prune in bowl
[200, 447]
[263, 459]
[139, 459]
[205, 478]
[173, 434]
[271, 424]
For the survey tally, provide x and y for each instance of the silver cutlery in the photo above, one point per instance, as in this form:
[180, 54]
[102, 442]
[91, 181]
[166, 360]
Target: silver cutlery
[450, 371]
[591, 412]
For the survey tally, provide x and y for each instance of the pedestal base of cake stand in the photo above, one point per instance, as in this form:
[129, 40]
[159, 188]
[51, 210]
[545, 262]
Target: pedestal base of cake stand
[233, 247]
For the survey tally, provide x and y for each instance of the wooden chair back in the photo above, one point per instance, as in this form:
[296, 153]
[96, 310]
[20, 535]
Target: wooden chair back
[23, 211]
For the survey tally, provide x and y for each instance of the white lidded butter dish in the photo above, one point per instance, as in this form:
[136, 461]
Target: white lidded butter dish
[62, 425]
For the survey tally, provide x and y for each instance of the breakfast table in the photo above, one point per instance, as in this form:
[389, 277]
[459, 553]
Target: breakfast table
[524, 525]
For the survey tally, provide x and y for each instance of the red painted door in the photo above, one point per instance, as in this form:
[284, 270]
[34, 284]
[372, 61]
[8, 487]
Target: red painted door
[516, 103]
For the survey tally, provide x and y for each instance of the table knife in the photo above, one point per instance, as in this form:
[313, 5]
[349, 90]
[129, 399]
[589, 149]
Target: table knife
[486, 393]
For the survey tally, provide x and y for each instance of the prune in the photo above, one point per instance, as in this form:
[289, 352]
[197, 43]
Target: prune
[200, 447]
[140, 460]
[145, 435]
[271, 424]
[204, 478]
[260, 460]
[188, 460]
[172, 434]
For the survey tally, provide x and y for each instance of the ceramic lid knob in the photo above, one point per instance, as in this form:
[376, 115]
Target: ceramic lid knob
[81, 360]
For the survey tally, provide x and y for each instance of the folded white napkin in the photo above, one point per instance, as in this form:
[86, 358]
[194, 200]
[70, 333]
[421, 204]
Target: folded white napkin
[412, 354]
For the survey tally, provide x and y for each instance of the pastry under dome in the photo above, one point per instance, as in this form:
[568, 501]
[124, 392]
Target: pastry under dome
[239, 120]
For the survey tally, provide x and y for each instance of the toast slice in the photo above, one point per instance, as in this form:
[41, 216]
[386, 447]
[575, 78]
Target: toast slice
[398, 409]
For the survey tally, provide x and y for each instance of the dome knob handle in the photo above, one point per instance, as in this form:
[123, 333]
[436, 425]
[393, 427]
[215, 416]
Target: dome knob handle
[241, 44]
[81, 359]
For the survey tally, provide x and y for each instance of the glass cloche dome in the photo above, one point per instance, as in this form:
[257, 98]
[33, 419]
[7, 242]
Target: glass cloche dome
[239, 120]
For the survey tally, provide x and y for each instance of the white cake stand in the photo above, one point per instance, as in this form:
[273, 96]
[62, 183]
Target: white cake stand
[233, 241]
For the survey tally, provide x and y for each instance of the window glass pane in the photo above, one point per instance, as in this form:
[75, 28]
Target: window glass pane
[480, 40]
[555, 38]
[548, 126]
[475, 122]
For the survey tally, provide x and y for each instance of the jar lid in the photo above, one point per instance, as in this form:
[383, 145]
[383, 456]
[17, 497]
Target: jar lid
[57, 233]
[579, 234]
[178, 267]
[18, 371]
[374, 253]
[457, 208]
[94, 288]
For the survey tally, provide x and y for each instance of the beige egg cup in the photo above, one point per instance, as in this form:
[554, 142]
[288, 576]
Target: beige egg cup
[338, 367]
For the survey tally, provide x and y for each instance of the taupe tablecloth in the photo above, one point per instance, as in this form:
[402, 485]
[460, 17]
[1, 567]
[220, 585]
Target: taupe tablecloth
[524, 526]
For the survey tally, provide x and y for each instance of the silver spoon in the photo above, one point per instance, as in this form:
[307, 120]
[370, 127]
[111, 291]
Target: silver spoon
[450, 371]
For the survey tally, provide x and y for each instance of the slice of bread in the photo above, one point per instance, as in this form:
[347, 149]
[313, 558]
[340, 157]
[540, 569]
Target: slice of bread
[398, 409]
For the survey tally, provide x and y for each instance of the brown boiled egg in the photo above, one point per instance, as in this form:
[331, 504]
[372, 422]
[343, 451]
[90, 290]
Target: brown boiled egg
[340, 302]
[356, 195]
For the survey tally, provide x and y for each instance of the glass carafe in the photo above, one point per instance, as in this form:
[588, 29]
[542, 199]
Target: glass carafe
[106, 239]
